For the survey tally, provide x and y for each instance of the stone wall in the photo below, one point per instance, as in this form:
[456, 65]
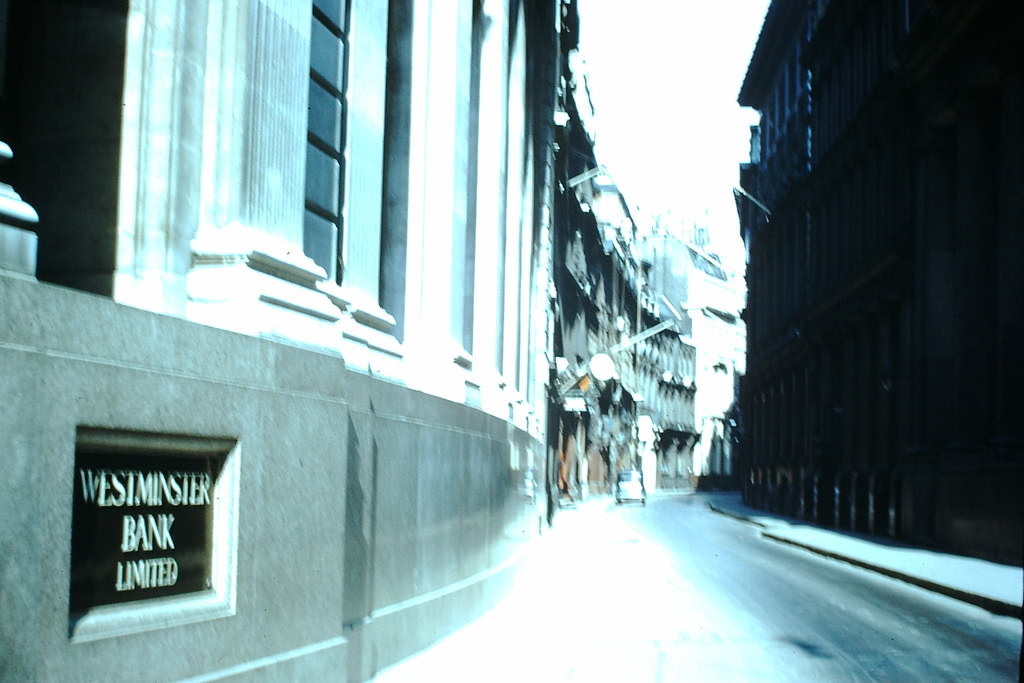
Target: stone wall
[368, 519]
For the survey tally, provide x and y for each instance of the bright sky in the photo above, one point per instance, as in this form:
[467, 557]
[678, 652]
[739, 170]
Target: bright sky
[664, 76]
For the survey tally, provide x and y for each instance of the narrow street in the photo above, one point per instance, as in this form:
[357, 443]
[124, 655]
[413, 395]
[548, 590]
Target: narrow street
[674, 591]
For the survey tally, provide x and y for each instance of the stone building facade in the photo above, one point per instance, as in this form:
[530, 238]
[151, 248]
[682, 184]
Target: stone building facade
[882, 219]
[295, 256]
[710, 301]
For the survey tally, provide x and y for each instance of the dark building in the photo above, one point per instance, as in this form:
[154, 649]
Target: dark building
[882, 214]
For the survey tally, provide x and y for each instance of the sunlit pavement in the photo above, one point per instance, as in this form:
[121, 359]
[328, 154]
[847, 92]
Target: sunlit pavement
[555, 625]
[608, 595]
[995, 587]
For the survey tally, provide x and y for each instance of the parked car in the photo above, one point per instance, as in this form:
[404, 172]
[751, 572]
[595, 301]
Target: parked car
[630, 486]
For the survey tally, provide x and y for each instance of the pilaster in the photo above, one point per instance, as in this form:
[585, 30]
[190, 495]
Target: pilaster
[246, 268]
[249, 282]
[158, 209]
[434, 355]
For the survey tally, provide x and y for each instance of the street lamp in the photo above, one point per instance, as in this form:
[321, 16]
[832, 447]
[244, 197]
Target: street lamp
[602, 367]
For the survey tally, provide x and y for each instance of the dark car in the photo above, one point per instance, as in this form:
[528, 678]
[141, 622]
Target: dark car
[630, 486]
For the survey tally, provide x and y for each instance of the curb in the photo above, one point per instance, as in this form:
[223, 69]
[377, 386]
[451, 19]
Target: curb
[992, 605]
[736, 515]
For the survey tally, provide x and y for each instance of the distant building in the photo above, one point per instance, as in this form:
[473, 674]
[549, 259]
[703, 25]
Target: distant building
[595, 277]
[881, 212]
[710, 300]
[641, 415]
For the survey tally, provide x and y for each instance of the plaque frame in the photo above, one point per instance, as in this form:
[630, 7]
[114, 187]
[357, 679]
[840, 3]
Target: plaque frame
[217, 601]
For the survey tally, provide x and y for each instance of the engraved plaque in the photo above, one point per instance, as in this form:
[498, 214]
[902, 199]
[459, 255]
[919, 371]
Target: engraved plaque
[142, 522]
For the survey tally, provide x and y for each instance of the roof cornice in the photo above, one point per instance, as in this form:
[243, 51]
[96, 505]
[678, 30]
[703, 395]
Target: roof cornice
[782, 24]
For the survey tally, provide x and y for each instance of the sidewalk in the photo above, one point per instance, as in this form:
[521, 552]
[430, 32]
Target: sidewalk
[995, 587]
[531, 617]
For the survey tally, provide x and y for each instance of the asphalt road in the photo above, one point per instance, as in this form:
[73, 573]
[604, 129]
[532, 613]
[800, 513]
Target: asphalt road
[672, 591]
[797, 616]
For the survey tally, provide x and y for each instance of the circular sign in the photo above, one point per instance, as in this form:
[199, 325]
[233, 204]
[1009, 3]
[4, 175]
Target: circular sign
[602, 367]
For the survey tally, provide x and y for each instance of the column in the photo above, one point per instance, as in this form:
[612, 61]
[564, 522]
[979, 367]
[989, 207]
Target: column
[1008, 400]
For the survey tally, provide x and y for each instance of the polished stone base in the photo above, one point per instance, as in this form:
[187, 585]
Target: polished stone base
[371, 519]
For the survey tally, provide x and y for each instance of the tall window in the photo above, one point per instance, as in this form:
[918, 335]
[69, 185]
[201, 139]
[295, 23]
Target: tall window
[325, 159]
[395, 201]
[464, 268]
